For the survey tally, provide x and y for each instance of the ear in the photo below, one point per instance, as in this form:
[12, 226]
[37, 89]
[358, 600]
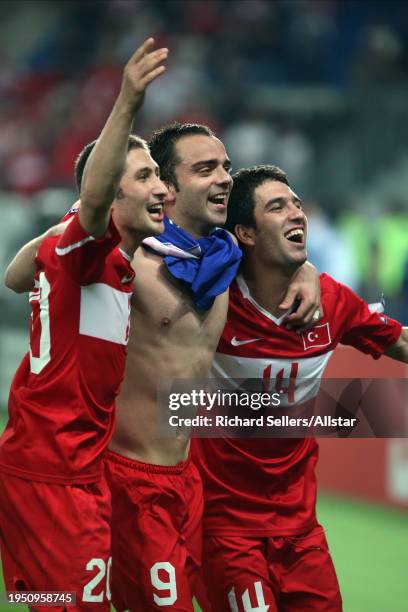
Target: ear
[245, 235]
[170, 198]
[119, 194]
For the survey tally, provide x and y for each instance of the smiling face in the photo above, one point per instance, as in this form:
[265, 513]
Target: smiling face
[138, 206]
[279, 238]
[204, 184]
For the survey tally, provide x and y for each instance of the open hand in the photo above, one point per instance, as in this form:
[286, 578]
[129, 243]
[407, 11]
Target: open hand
[144, 66]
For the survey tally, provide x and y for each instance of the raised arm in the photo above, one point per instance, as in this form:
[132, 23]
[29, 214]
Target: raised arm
[399, 350]
[106, 163]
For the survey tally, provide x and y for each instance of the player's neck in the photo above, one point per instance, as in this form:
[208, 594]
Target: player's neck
[130, 242]
[194, 227]
[267, 286]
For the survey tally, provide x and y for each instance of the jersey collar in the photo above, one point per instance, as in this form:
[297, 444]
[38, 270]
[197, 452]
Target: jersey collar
[244, 289]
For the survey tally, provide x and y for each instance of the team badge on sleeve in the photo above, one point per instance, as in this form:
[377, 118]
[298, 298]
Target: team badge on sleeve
[378, 306]
[316, 337]
[72, 211]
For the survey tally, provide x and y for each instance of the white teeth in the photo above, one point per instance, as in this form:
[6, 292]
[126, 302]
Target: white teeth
[295, 232]
[155, 208]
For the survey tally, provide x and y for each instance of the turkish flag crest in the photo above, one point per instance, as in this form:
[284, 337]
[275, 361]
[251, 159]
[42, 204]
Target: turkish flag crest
[316, 337]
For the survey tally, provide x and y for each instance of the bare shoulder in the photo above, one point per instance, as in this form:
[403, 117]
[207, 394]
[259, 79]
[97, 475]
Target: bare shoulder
[144, 258]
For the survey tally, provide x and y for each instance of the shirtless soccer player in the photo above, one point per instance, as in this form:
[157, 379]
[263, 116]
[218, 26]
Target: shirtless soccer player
[176, 325]
[55, 509]
[263, 547]
[177, 316]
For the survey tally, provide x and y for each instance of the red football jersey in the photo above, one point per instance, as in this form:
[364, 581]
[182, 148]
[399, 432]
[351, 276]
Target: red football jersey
[61, 404]
[267, 487]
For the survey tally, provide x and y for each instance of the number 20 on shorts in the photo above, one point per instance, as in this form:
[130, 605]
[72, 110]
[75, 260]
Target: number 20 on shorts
[104, 571]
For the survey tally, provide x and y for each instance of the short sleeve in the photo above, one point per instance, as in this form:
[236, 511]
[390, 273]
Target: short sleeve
[81, 255]
[369, 332]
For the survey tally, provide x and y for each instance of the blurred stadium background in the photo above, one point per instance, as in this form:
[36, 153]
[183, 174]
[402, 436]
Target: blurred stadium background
[318, 87]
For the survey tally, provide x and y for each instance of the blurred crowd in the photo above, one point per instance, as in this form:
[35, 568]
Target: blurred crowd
[264, 74]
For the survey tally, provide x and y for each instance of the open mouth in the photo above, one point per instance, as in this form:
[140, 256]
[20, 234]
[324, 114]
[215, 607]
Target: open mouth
[220, 199]
[296, 235]
[156, 211]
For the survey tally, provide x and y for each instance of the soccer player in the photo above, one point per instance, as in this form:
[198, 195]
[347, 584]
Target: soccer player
[263, 547]
[178, 314]
[55, 507]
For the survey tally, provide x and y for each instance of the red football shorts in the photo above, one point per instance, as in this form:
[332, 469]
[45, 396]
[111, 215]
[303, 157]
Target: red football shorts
[56, 538]
[156, 534]
[288, 574]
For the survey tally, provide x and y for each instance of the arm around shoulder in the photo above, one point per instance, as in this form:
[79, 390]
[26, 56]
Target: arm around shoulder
[19, 275]
[305, 287]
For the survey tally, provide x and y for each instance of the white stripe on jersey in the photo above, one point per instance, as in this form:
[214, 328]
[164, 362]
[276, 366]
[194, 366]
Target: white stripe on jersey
[104, 313]
[308, 376]
[71, 247]
[126, 256]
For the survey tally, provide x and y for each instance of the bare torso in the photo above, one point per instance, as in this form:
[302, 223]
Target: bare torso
[169, 339]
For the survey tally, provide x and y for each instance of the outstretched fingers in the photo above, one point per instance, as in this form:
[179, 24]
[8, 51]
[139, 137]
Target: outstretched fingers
[141, 51]
[145, 65]
[147, 68]
[152, 60]
[153, 74]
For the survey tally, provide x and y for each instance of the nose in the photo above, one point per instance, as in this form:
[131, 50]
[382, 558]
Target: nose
[296, 213]
[159, 188]
[224, 178]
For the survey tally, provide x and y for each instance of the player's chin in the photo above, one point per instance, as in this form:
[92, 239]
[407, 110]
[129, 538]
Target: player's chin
[299, 258]
[296, 255]
[155, 227]
[218, 217]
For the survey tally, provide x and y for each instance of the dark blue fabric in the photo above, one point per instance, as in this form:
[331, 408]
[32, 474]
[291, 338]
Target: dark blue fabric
[213, 272]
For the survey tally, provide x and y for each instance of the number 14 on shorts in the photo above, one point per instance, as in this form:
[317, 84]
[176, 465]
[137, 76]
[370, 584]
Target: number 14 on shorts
[261, 606]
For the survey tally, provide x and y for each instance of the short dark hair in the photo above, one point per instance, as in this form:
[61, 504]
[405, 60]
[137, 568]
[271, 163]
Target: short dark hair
[162, 146]
[134, 142]
[241, 203]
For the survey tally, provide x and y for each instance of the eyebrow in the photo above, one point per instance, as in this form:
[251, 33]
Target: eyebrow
[147, 169]
[210, 162]
[281, 200]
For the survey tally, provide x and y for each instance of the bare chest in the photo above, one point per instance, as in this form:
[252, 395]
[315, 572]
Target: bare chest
[165, 307]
